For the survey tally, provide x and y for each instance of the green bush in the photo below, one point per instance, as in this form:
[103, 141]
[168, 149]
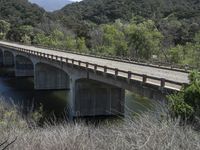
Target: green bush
[179, 108]
[186, 103]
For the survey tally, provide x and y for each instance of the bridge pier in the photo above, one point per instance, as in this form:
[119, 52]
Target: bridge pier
[23, 67]
[92, 98]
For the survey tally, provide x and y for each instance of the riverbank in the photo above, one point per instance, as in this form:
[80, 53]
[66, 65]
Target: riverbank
[147, 131]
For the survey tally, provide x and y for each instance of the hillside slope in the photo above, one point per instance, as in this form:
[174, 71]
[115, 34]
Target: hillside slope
[177, 20]
[21, 12]
[104, 11]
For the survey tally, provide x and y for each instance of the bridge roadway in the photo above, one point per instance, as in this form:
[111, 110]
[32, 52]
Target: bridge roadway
[168, 74]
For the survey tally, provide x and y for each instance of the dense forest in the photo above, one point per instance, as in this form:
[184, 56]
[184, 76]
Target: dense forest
[164, 30]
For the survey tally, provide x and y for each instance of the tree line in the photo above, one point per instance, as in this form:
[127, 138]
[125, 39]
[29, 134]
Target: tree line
[161, 30]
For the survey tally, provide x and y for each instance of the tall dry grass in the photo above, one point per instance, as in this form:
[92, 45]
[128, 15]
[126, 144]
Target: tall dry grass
[145, 132]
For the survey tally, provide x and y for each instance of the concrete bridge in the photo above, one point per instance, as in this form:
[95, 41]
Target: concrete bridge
[97, 85]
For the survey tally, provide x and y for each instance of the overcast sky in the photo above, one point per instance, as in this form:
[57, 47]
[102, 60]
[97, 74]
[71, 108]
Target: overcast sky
[51, 5]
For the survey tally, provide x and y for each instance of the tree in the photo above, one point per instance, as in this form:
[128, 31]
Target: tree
[57, 38]
[187, 54]
[81, 46]
[41, 39]
[186, 103]
[144, 39]
[192, 92]
[113, 41]
[26, 34]
[70, 43]
[110, 39]
[4, 28]
[176, 54]
[179, 108]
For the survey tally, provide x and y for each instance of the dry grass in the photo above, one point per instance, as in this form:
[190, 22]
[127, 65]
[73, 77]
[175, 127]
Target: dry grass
[145, 132]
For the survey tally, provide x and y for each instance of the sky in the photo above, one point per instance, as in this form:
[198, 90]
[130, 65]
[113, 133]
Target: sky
[52, 5]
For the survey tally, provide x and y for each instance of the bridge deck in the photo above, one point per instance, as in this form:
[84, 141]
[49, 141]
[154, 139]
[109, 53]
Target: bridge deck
[172, 75]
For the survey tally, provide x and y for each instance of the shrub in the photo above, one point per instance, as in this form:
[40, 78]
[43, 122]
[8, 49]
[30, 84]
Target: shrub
[179, 108]
[186, 103]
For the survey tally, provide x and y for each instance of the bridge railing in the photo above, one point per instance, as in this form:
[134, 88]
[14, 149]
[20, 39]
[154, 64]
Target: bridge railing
[105, 70]
[153, 63]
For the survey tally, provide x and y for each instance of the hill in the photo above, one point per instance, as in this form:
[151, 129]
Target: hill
[21, 12]
[177, 20]
[167, 29]
[104, 11]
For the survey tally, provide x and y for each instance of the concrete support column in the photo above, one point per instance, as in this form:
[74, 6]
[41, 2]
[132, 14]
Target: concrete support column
[97, 99]
[72, 98]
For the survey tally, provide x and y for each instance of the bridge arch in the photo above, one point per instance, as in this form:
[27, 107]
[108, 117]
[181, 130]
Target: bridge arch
[94, 98]
[23, 66]
[48, 77]
[8, 58]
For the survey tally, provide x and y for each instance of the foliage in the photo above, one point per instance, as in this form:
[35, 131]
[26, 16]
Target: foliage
[192, 92]
[10, 117]
[37, 116]
[139, 40]
[177, 20]
[42, 39]
[60, 40]
[144, 39]
[21, 12]
[81, 45]
[187, 54]
[168, 30]
[110, 39]
[179, 108]
[4, 28]
[70, 43]
[186, 104]
[176, 54]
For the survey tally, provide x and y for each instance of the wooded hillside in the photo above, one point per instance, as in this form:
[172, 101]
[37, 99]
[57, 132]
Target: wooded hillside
[167, 30]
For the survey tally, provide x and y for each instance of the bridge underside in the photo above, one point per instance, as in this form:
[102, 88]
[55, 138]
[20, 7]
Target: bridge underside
[48, 77]
[8, 59]
[23, 67]
[94, 98]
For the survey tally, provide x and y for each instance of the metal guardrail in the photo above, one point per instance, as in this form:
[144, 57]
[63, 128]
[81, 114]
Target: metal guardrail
[128, 75]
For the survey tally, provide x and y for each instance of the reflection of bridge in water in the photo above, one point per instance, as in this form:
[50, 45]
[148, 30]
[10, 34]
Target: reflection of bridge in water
[97, 85]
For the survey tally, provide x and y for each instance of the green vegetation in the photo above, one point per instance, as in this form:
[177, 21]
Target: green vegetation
[4, 28]
[187, 54]
[177, 20]
[186, 104]
[21, 12]
[162, 30]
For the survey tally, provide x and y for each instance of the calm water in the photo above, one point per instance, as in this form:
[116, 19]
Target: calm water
[21, 92]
